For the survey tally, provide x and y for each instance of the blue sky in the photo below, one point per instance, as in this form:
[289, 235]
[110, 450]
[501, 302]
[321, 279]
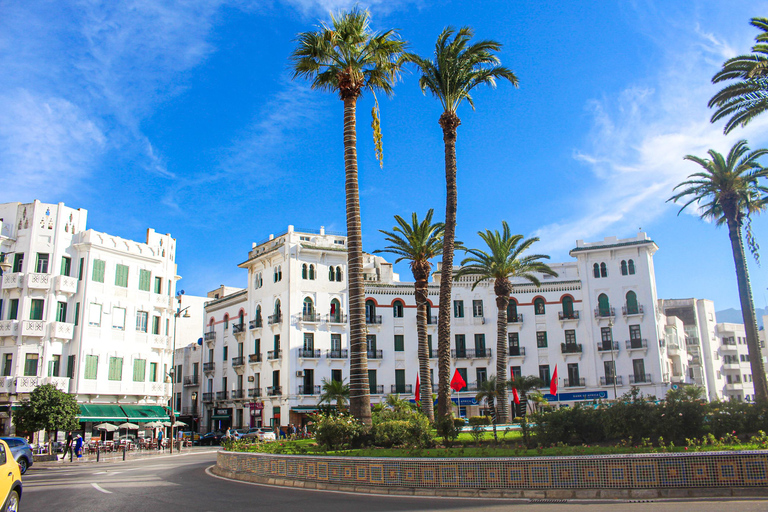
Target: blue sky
[182, 116]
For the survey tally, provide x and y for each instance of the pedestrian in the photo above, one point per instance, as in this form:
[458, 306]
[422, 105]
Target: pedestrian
[159, 439]
[305, 431]
[67, 446]
[79, 446]
[282, 432]
[228, 434]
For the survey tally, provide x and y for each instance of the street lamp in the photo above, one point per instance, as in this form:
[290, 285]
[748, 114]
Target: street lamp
[5, 266]
[184, 313]
[613, 360]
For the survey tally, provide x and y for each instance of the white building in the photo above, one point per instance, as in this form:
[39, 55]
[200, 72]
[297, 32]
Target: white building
[86, 311]
[270, 346]
[188, 358]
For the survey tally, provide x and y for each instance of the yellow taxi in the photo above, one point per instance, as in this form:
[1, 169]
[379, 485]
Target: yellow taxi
[10, 485]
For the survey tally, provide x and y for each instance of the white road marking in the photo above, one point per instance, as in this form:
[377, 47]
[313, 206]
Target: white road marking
[100, 488]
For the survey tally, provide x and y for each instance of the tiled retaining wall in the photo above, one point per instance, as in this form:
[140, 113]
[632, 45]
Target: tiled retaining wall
[725, 470]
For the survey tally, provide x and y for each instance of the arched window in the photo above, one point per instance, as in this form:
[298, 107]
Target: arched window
[538, 306]
[304, 271]
[512, 311]
[336, 311]
[631, 267]
[338, 274]
[596, 270]
[258, 316]
[211, 323]
[632, 308]
[370, 311]
[275, 274]
[603, 270]
[241, 320]
[397, 309]
[429, 313]
[226, 322]
[567, 307]
[311, 271]
[277, 308]
[603, 307]
[331, 274]
[279, 272]
[309, 309]
[624, 267]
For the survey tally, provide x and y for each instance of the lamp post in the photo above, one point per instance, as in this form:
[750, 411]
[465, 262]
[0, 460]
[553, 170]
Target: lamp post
[613, 360]
[5, 266]
[172, 373]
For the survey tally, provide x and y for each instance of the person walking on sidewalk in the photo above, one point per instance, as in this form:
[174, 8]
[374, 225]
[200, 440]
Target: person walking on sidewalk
[79, 446]
[159, 439]
[67, 446]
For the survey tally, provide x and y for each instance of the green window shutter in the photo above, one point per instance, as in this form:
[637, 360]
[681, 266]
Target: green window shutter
[77, 313]
[372, 381]
[429, 344]
[158, 285]
[80, 272]
[399, 343]
[400, 380]
[13, 310]
[30, 365]
[153, 372]
[98, 270]
[145, 277]
[71, 367]
[91, 367]
[121, 275]
[66, 264]
[139, 369]
[36, 311]
[155, 325]
[118, 368]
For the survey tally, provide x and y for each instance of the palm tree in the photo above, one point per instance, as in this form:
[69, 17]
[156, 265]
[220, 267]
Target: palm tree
[505, 260]
[418, 242]
[488, 392]
[335, 392]
[347, 58]
[727, 191]
[455, 70]
[746, 98]
[524, 384]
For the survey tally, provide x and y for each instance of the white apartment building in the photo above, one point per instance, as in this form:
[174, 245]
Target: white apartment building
[86, 311]
[271, 345]
[730, 360]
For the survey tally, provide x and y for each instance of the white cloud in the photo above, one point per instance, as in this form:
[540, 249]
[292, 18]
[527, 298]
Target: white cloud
[322, 7]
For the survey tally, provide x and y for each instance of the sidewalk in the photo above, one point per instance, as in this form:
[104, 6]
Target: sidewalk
[118, 457]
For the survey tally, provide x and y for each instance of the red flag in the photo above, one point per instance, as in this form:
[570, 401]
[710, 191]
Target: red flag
[515, 396]
[553, 383]
[418, 390]
[457, 382]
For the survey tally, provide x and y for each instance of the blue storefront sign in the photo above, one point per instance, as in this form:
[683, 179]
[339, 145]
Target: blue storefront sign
[461, 401]
[572, 397]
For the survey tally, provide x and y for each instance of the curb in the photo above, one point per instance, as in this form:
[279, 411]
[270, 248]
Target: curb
[104, 460]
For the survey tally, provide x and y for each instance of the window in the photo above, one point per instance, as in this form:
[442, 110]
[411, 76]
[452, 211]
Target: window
[335, 342]
[632, 308]
[225, 353]
[153, 372]
[603, 270]
[91, 367]
[139, 370]
[121, 275]
[53, 365]
[309, 341]
[429, 346]
[458, 309]
[399, 381]
[155, 325]
[573, 374]
[514, 343]
[624, 267]
[331, 274]
[606, 336]
[461, 345]
[609, 368]
[477, 308]
[603, 306]
[145, 280]
[256, 347]
[66, 265]
[36, 310]
[541, 339]
[517, 372]
[98, 270]
[539, 306]
[7, 365]
[397, 309]
[480, 345]
[118, 318]
[638, 368]
[42, 263]
[61, 312]
[631, 265]
[158, 285]
[77, 313]
[336, 376]
[544, 374]
[370, 311]
[276, 342]
[567, 307]
[339, 276]
[482, 375]
[399, 343]
[596, 270]
[463, 373]
[308, 309]
[512, 311]
[570, 336]
[167, 325]
[304, 271]
[257, 281]
[141, 321]
[311, 272]
[372, 387]
[30, 365]
[634, 333]
[71, 367]
[13, 309]
[80, 270]
[278, 273]
[115, 368]
[18, 261]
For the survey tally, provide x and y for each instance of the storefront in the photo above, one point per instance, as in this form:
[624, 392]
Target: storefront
[221, 419]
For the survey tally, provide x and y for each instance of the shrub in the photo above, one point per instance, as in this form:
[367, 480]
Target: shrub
[401, 428]
[477, 432]
[448, 429]
[459, 422]
[479, 420]
[338, 430]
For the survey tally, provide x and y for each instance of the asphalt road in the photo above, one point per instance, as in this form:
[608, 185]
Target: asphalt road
[181, 483]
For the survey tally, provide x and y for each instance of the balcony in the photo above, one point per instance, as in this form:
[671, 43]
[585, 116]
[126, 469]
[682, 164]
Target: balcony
[733, 386]
[62, 330]
[309, 354]
[570, 315]
[238, 361]
[574, 383]
[605, 312]
[728, 347]
[189, 410]
[13, 280]
[375, 354]
[254, 393]
[274, 354]
[373, 319]
[254, 358]
[431, 320]
[275, 319]
[641, 378]
[207, 397]
[34, 328]
[209, 367]
[210, 337]
[607, 347]
[192, 380]
[221, 395]
[39, 281]
[631, 311]
[731, 365]
[478, 320]
[469, 353]
[274, 391]
[9, 328]
[238, 330]
[337, 354]
[571, 348]
[312, 318]
[255, 324]
[637, 344]
[673, 349]
[608, 381]
[309, 390]
[377, 390]
[402, 388]
[516, 351]
[26, 384]
[515, 319]
[238, 394]
[338, 318]
[65, 285]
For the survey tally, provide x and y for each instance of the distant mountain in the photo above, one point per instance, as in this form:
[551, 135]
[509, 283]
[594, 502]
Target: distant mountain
[733, 316]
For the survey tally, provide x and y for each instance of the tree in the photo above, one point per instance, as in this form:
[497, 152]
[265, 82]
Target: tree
[334, 392]
[48, 409]
[505, 260]
[456, 68]
[524, 384]
[747, 97]
[418, 242]
[488, 392]
[345, 57]
[727, 191]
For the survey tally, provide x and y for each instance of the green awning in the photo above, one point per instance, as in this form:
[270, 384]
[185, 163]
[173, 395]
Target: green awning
[145, 413]
[221, 417]
[101, 412]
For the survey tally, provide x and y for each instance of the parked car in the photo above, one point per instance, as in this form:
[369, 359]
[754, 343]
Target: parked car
[21, 450]
[211, 438]
[238, 433]
[10, 488]
[262, 434]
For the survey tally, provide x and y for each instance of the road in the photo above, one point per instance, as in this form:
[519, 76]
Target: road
[181, 483]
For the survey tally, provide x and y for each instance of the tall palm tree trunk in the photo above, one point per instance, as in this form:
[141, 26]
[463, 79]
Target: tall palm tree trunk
[359, 390]
[425, 381]
[449, 122]
[748, 311]
[502, 302]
